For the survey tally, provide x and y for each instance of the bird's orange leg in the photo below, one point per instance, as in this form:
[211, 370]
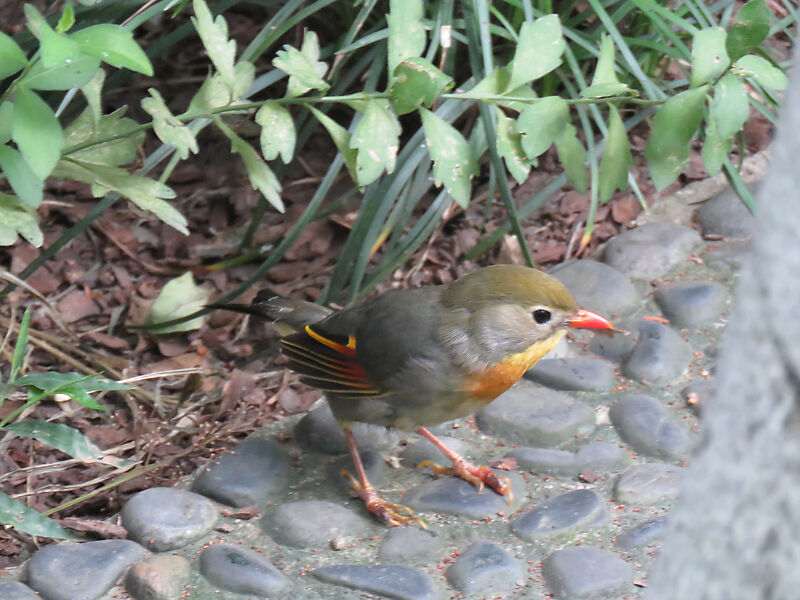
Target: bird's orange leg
[476, 475]
[376, 504]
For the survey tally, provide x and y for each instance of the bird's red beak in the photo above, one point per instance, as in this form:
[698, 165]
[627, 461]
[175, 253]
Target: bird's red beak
[589, 320]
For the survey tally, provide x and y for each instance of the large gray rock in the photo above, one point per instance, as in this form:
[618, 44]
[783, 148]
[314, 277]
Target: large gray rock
[660, 355]
[311, 523]
[485, 567]
[692, 303]
[649, 483]
[598, 287]
[651, 250]
[733, 532]
[726, 215]
[582, 572]
[581, 373]
[646, 425]
[563, 513]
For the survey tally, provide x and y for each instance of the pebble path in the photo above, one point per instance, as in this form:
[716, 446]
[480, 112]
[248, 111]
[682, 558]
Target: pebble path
[600, 435]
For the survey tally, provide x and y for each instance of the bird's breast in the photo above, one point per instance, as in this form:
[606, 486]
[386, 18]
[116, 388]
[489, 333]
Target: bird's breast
[493, 380]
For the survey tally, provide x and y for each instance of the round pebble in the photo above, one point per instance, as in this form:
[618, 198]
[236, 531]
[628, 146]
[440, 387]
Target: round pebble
[726, 215]
[14, 590]
[81, 571]
[531, 415]
[454, 496]
[240, 570]
[646, 425]
[399, 583]
[579, 374]
[616, 346]
[485, 566]
[643, 534]
[584, 572]
[651, 250]
[161, 577]
[562, 513]
[545, 460]
[599, 456]
[311, 523]
[649, 483]
[423, 450]
[164, 519]
[319, 430]
[409, 544]
[692, 303]
[253, 474]
[660, 355]
[598, 287]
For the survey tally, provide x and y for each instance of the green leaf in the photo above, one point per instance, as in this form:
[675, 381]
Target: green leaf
[17, 220]
[303, 66]
[66, 439]
[605, 90]
[35, 20]
[604, 72]
[118, 152]
[539, 50]
[168, 128]
[616, 157]
[213, 93]
[12, 58]
[417, 82]
[179, 298]
[113, 45]
[6, 121]
[751, 28]
[709, 57]
[406, 32]
[57, 49]
[20, 347]
[731, 107]
[572, 155]
[674, 126]
[541, 124]
[65, 76]
[92, 91]
[37, 132]
[715, 147]
[67, 19]
[23, 518]
[278, 133]
[376, 139]
[214, 35]
[762, 71]
[261, 176]
[341, 139]
[509, 147]
[25, 183]
[454, 163]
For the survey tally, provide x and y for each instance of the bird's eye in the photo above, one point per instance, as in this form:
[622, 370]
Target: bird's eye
[541, 316]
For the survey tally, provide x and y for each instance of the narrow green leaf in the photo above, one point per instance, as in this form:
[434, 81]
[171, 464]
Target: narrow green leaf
[341, 139]
[751, 28]
[14, 513]
[303, 66]
[454, 164]
[25, 183]
[214, 35]
[64, 76]
[604, 72]
[573, 156]
[113, 45]
[118, 152]
[539, 50]
[509, 147]
[731, 107]
[92, 91]
[17, 220]
[406, 32]
[278, 133]
[67, 19]
[417, 82]
[20, 347]
[715, 147]
[37, 132]
[709, 57]
[168, 128]
[376, 139]
[762, 71]
[179, 298]
[261, 176]
[12, 58]
[6, 121]
[54, 382]
[616, 157]
[66, 439]
[541, 124]
[674, 126]
[35, 20]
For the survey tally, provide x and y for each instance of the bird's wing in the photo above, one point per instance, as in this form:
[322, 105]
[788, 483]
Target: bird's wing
[329, 362]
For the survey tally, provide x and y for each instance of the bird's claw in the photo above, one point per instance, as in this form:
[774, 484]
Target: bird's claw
[478, 475]
[381, 508]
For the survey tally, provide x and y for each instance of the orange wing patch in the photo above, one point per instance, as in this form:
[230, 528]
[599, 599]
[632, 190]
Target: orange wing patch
[328, 363]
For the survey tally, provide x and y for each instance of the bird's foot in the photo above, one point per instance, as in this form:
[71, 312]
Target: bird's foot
[477, 475]
[380, 507]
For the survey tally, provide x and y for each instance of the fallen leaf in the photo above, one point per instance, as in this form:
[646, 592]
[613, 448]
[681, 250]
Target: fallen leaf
[77, 305]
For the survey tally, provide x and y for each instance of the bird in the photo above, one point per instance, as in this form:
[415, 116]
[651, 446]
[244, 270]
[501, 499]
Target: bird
[413, 358]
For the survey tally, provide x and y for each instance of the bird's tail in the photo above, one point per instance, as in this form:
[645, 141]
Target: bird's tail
[288, 315]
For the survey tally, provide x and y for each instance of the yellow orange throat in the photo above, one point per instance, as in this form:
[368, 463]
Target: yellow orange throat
[496, 379]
